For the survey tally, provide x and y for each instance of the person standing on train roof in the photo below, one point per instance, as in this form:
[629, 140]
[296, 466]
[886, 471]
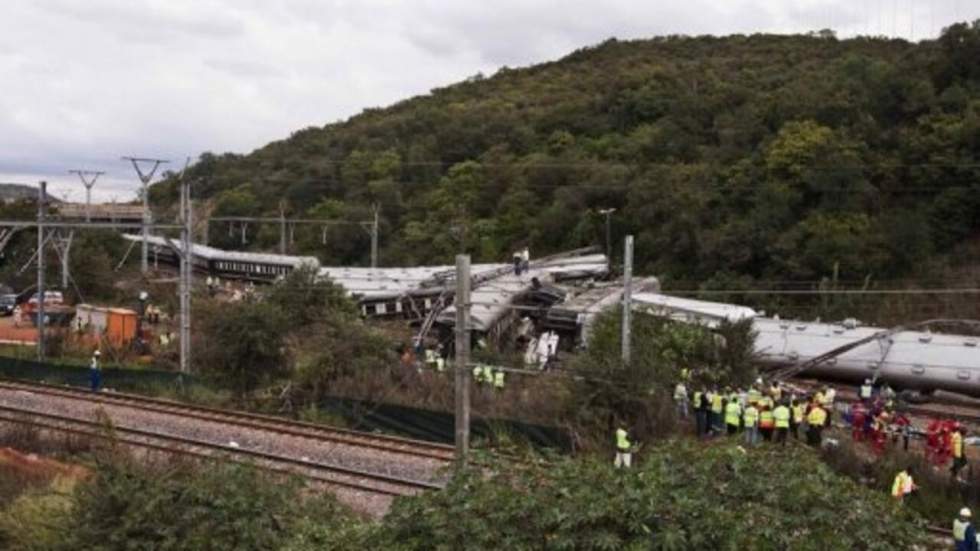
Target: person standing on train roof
[95, 372]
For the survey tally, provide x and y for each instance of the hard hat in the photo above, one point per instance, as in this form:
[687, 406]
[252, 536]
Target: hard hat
[965, 512]
[867, 381]
[97, 353]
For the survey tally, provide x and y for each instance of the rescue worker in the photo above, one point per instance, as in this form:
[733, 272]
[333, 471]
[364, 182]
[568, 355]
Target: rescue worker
[701, 408]
[733, 416]
[865, 392]
[766, 422]
[959, 455]
[624, 449]
[903, 485]
[781, 416]
[964, 535]
[816, 420]
[797, 408]
[751, 421]
[717, 407]
[680, 397]
[829, 394]
[498, 380]
[95, 372]
[775, 391]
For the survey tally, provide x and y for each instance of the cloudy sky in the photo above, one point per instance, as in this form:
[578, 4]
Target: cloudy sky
[88, 81]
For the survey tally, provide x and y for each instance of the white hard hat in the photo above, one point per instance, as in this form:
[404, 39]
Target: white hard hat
[965, 512]
[867, 381]
[97, 353]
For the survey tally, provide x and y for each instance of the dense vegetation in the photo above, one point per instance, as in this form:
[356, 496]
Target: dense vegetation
[683, 495]
[733, 160]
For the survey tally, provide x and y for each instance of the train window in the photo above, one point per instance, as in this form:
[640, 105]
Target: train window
[918, 369]
[963, 374]
[971, 344]
[925, 338]
[873, 365]
[801, 327]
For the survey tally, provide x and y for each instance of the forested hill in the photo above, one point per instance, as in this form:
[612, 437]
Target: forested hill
[749, 157]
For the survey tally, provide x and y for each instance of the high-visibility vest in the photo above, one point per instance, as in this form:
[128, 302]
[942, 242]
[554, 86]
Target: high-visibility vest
[716, 401]
[959, 529]
[902, 485]
[697, 399]
[798, 411]
[781, 415]
[754, 395]
[898, 486]
[751, 416]
[817, 416]
[765, 419]
[865, 392]
[622, 441]
[732, 413]
[680, 392]
[498, 379]
[478, 374]
[957, 441]
[818, 398]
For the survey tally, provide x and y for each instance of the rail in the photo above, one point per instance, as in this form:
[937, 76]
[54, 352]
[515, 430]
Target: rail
[327, 473]
[383, 443]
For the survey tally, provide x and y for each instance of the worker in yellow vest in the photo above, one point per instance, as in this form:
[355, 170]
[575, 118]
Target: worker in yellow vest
[797, 409]
[815, 421]
[766, 422]
[717, 408]
[733, 416]
[781, 415]
[959, 452]
[964, 535]
[751, 421]
[624, 449]
[498, 380]
[904, 485]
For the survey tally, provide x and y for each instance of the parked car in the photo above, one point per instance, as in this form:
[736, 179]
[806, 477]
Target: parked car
[7, 304]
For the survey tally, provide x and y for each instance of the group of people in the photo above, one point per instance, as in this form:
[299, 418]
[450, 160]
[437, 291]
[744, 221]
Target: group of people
[760, 413]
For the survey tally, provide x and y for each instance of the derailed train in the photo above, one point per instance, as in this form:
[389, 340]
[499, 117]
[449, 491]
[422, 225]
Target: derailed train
[908, 359]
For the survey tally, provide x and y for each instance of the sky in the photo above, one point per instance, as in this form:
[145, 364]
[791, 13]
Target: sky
[85, 82]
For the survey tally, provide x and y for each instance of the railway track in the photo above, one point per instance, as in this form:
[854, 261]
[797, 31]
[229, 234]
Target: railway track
[337, 476]
[384, 443]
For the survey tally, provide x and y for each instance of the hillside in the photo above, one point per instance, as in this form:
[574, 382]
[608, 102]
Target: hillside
[734, 161]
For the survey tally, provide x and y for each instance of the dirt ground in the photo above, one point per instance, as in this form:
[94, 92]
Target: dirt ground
[21, 333]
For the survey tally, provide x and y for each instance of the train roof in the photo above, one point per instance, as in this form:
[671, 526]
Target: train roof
[212, 253]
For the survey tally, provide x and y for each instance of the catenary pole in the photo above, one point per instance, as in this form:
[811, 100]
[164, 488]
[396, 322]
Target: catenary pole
[85, 175]
[627, 297]
[145, 178]
[374, 238]
[41, 207]
[186, 272]
[461, 365]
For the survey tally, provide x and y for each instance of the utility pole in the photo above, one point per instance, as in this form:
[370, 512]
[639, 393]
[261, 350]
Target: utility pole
[145, 178]
[462, 363]
[627, 297]
[42, 197]
[88, 183]
[607, 213]
[282, 227]
[186, 273]
[65, 255]
[374, 238]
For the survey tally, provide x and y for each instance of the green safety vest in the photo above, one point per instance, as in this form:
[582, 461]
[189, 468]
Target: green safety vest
[477, 374]
[716, 403]
[781, 415]
[697, 399]
[751, 416]
[798, 411]
[732, 413]
[959, 529]
[498, 379]
[622, 442]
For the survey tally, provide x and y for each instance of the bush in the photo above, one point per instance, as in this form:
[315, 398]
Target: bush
[684, 495]
[182, 506]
